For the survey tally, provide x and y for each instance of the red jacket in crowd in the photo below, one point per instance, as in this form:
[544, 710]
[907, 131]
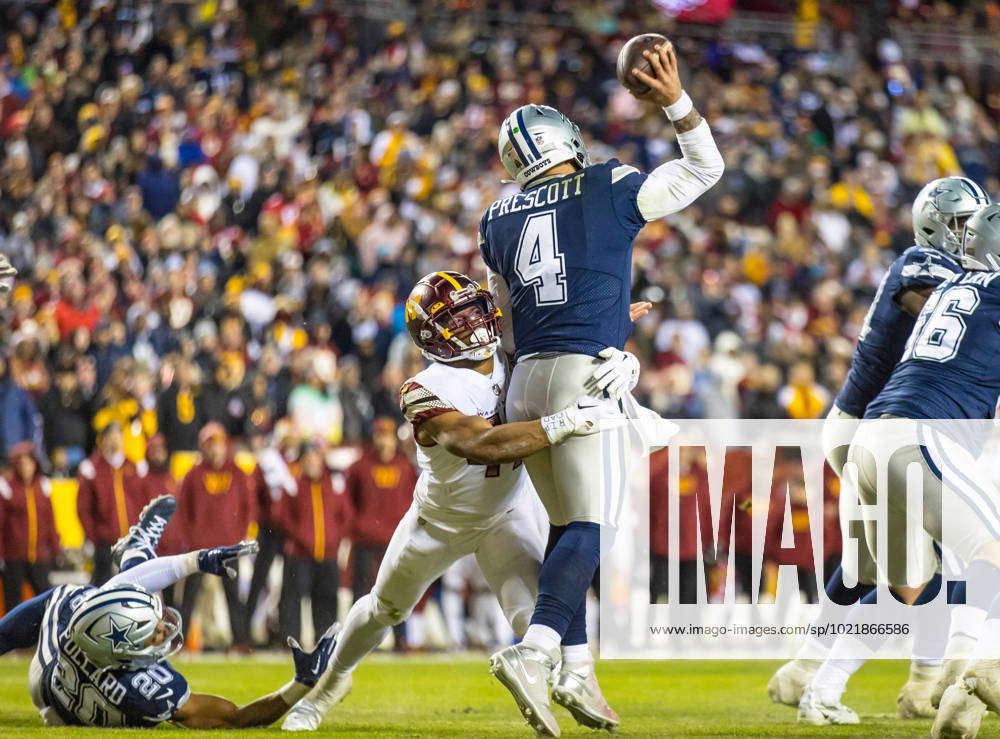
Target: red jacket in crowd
[27, 525]
[159, 481]
[109, 497]
[216, 506]
[692, 482]
[380, 493]
[316, 518]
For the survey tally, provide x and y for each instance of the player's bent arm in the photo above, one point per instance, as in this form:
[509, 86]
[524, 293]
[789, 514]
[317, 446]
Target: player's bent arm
[676, 184]
[203, 711]
[912, 299]
[477, 440]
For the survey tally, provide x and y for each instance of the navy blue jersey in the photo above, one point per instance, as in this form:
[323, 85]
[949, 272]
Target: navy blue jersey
[565, 249]
[83, 694]
[887, 326]
[949, 366]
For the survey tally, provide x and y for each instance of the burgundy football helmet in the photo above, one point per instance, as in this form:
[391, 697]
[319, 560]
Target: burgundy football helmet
[450, 317]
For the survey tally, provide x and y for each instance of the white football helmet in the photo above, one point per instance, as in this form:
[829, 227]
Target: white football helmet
[941, 209]
[113, 627]
[536, 137]
[981, 250]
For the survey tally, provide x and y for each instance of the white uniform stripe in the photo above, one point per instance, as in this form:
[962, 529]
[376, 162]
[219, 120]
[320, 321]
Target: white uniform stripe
[979, 501]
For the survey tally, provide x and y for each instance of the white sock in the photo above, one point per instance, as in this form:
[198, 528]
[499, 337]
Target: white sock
[542, 637]
[361, 635]
[989, 641]
[967, 620]
[831, 678]
[927, 662]
[577, 656]
[813, 649]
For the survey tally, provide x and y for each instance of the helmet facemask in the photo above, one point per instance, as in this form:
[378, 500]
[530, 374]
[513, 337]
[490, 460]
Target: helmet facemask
[469, 329]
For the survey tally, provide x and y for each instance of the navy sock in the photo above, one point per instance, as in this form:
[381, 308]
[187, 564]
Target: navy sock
[577, 631]
[565, 576]
[842, 595]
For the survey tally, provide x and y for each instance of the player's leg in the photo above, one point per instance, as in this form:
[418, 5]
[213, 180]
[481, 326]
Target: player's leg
[237, 613]
[572, 481]
[139, 544]
[325, 588]
[293, 582]
[788, 682]
[875, 443]
[418, 554]
[970, 498]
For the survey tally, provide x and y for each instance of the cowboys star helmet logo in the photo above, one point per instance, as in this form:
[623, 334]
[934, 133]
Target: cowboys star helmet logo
[118, 634]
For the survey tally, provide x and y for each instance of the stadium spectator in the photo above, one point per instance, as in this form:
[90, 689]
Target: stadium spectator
[19, 417]
[66, 416]
[111, 493]
[217, 505]
[315, 518]
[380, 488]
[29, 543]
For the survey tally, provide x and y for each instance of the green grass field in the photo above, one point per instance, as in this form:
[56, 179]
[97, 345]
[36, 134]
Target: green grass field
[447, 697]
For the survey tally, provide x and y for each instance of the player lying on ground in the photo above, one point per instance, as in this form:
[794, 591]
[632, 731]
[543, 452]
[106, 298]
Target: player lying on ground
[101, 657]
[940, 212]
[471, 494]
[559, 258]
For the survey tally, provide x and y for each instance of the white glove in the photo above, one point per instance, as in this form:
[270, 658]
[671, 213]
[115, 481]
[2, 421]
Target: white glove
[586, 416]
[617, 374]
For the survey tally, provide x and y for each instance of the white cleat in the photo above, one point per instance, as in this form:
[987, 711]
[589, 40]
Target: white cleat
[525, 672]
[914, 699]
[308, 713]
[959, 714]
[579, 693]
[951, 671]
[982, 679]
[813, 710]
[787, 684]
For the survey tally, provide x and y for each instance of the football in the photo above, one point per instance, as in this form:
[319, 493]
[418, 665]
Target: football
[630, 57]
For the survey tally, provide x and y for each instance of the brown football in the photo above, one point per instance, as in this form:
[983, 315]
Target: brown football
[630, 57]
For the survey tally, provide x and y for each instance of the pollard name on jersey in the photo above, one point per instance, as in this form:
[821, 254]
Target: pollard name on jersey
[451, 490]
[887, 326]
[949, 366]
[565, 249]
[82, 694]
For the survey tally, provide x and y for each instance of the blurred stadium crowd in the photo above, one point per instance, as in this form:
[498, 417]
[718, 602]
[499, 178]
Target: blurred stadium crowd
[217, 209]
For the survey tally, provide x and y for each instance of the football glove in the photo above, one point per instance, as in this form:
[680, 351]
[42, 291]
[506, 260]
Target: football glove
[618, 374]
[584, 417]
[310, 666]
[222, 560]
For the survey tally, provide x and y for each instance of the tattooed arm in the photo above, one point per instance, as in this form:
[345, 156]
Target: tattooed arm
[676, 184]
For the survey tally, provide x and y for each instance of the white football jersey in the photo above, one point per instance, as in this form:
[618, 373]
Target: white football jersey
[451, 490]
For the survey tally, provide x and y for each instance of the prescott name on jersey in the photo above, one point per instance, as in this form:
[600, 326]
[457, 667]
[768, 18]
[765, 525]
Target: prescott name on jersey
[82, 694]
[949, 366]
[887, 326]
[567, 242]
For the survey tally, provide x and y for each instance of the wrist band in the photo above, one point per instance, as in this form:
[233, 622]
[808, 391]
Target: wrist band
[293, 691]
[683, 106]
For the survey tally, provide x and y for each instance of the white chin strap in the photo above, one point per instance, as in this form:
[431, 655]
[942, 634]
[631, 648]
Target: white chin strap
[476, 354]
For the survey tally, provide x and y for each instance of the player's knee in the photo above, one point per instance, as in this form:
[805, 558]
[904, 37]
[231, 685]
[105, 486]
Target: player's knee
[386, 613]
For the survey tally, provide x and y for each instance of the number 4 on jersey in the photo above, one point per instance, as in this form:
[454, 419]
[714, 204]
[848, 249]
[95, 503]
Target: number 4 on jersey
[539, 261]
